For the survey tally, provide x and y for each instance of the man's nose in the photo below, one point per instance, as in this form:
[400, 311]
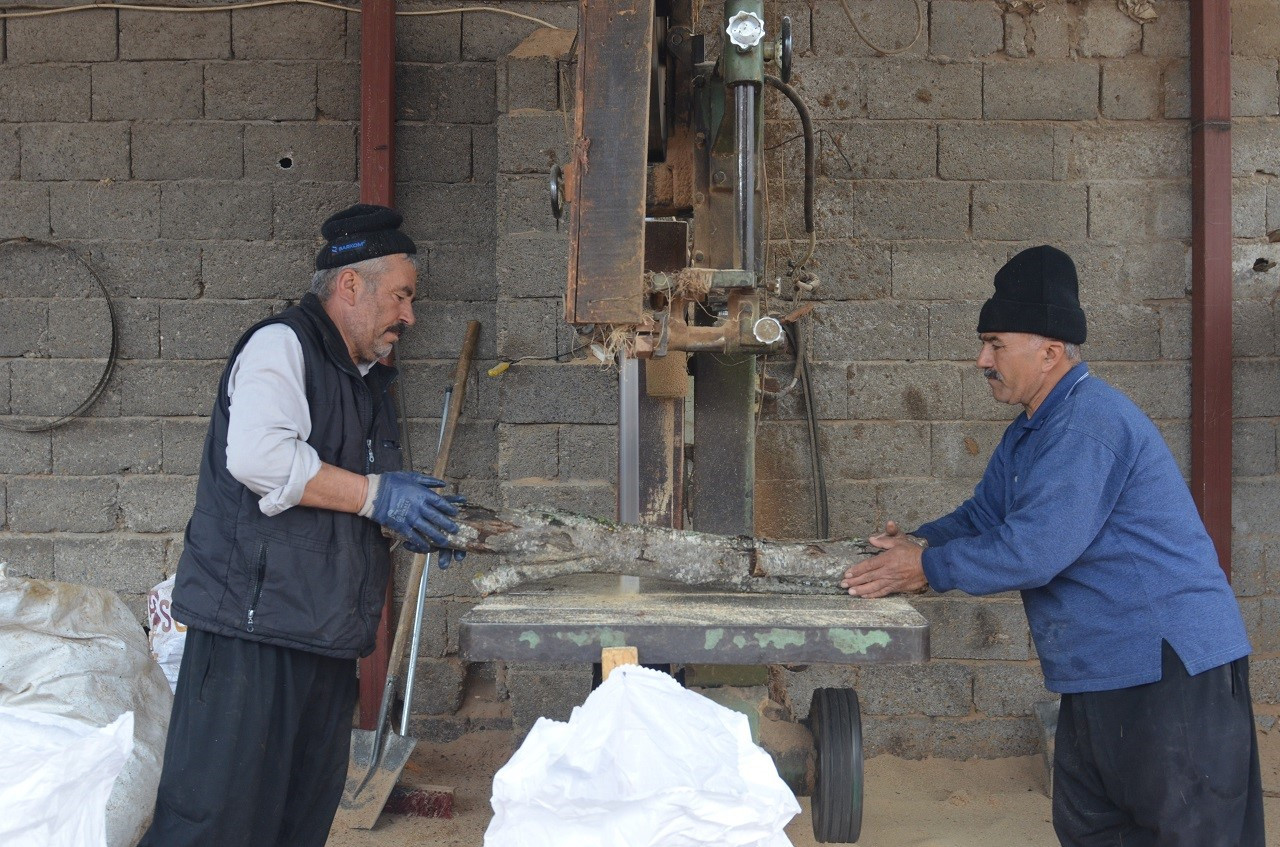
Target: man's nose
[406, 314]
[985, 359]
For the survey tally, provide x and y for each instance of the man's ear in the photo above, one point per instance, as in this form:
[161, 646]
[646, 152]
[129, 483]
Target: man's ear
[346, 285]
[1054, 351]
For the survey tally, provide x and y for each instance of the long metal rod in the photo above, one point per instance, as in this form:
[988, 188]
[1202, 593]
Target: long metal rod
[1211, 270]
[628, 450]
[744, 104]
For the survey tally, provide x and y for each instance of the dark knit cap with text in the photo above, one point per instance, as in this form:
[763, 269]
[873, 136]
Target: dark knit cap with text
[361, 232]
[1036, 292]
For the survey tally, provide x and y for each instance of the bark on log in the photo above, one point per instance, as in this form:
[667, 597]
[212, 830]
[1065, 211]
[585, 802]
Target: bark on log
[536, 544]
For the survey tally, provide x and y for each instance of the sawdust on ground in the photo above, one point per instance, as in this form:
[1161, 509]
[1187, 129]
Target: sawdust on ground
[924, 803]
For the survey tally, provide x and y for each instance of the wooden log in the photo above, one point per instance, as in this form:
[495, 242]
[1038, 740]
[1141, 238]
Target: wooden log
[537, 544]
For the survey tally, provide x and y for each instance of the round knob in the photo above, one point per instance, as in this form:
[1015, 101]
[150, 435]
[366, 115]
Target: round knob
[745, 30]
[767, 330]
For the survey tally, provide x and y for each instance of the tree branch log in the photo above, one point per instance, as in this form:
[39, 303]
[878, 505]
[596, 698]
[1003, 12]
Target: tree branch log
[537, 544]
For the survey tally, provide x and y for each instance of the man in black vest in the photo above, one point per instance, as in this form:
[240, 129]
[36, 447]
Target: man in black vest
[285, 563]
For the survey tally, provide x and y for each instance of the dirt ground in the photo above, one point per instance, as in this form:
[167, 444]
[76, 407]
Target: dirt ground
[927, 803]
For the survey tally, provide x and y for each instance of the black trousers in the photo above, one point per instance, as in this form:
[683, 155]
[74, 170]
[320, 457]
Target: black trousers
[258, 744]
[1169, 764]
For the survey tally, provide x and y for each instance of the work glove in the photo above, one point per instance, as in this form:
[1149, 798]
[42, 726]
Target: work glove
[406, 503]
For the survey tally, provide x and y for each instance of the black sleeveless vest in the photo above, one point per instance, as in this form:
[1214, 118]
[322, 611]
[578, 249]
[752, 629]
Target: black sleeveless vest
[310, 579]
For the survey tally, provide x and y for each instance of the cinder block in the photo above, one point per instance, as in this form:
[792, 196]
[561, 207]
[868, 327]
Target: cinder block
[1107, 31]
[24, 326]
[432, 638]
[486, 37]
[592, 498]
[430, 379]
[414, 97]
[464, 93]
[260, 91]
[852, 507]
[1253, 31]
[338, 90]
[1169, 35]
[127, 445]
[301, 209]
[973, 628]
[1161, 389]
[79, 329]
[833, 89]
[146, 35]
[105, 209]
[532, 264]
[1177, 436]
[785, 509]
[440, 212]
[1121, 211]
[427, 153]
[912, 501]
[442, 327]
[168, 388]
[923, 391]
[24, 210]
[55, 387]
[936, 689]
[849, 270]
[1255, 88]
[147, 269]
[537, 392]
[1015, 36]
[1177, 90]
[475, 448]
[460, 272]
[1131, 90]
[206, 329]
[523, 205]
[88, 36]
[1247, 282]
[545, 691]
[874, 450]
[854, 150]
[920, 737]
[1250, 397]
[1013, 211]
[903, 90]
[25, 452]
[1050, 33]
[1253, 449]
[895, 210]
[75, 151]
[529, 82]
[182, 443]
[44, 93]
[531, 142]
[1253, 331]
[962, 449]
[147, 91]
[995, 151]
[125, 563]
[1154, 271]
[157, 503]
[68, 504]
[428, 38]
[138, 329]
[288, 33]
[1175, 330]
[215, 209]
[27, 556]
[9, 150]
[1264, 682]
[484, 154]
[1123, 333]
[588, 453]
[828, 383]
[187, 150]
[1040, 91]
[528, 452]
[1251, 563]
[528, 327]
[945, 271]
[960, 30]
[834, 38]
[1132, 152]
[258, 270]
[799, 683]
[300, 152]
[870, 330]
[1253, 505]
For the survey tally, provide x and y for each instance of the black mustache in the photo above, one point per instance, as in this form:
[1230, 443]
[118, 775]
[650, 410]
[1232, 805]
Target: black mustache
[991, 373]
[398, 328]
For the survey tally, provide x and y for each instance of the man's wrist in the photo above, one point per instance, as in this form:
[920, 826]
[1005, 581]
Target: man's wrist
[371, 493]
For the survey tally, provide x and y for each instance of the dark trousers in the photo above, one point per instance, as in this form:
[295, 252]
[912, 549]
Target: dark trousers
[257, 749]
[1169, 764]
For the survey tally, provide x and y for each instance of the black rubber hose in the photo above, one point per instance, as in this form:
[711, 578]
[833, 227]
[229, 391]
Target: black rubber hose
[806, 124]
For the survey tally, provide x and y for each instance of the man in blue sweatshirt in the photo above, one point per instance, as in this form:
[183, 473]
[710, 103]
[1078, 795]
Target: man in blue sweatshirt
[1083, 510]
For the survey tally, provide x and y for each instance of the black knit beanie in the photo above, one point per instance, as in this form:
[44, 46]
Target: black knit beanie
[361, 232]
[1036, 292]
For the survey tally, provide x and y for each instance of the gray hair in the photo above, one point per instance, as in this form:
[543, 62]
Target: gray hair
[1069, 350]
[371, 269]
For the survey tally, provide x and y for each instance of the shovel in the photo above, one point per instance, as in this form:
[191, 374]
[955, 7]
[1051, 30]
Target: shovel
[378, 756]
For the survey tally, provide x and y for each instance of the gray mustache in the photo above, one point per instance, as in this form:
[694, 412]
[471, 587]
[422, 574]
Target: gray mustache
[991, 373]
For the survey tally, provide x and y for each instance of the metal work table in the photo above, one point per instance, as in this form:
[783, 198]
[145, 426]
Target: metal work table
[571, 620]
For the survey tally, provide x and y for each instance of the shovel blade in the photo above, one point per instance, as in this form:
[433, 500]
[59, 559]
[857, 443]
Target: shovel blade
[371, 774]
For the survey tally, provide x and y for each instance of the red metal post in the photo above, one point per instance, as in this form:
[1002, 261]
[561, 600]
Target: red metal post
[377, 185]
[1211, 269]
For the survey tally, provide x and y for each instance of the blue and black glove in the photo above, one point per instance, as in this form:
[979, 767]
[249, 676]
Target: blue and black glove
[406, 503]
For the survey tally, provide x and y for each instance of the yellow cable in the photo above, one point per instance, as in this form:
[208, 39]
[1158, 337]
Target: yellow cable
[257, 4]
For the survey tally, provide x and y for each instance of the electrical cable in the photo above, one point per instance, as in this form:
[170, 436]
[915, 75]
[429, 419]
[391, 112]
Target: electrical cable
[883, 52]
[112, 355]
[258, 4]
[806, 124]
[821, 512]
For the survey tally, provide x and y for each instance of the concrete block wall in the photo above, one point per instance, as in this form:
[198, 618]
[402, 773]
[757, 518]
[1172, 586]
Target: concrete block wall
[190, 159]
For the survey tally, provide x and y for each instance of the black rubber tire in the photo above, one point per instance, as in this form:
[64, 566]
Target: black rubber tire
[835, 720]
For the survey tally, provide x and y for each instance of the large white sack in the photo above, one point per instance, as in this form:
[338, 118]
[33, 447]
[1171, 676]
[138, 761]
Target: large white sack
[55, 777]
[167, 637]
[642, 762]
[78, 652]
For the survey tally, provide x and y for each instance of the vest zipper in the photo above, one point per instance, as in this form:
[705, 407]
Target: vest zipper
[255, 587]
[368, 455]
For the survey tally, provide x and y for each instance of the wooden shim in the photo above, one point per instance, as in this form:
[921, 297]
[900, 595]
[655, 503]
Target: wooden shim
[612, 657]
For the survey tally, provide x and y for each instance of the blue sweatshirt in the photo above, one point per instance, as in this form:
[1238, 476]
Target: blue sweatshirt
[1082, 509]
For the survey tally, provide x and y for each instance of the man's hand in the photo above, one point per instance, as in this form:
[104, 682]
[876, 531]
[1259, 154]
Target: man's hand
[898, 570]
[407, 504]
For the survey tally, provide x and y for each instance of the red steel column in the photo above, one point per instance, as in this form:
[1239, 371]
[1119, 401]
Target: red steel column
[1211, 269]
[377, 185]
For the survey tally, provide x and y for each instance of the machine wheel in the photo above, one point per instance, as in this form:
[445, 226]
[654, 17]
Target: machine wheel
[835, 720]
